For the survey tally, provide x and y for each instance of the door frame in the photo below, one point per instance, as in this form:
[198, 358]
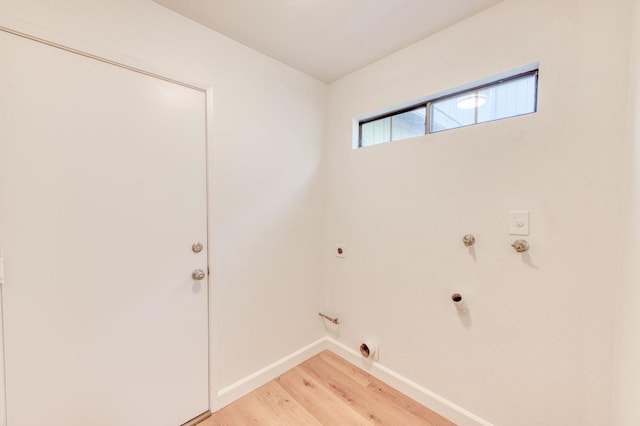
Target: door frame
[39, 35]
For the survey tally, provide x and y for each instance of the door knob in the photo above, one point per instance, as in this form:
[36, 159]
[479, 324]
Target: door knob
[198, 274]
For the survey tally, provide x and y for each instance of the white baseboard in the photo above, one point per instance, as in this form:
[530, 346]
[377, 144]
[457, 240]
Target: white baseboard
[424, 396]
[250, 383]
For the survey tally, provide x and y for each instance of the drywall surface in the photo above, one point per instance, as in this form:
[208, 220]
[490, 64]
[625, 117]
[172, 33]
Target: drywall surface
[536, 347]
[627, 344]
[266, 177]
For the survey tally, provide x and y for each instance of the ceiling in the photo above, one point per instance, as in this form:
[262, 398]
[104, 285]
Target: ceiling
[327, 39]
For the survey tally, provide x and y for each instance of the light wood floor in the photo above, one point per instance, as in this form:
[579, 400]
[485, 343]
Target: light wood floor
[325, 390]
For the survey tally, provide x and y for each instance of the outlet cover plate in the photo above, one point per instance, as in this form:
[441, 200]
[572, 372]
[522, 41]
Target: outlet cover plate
[519, 223]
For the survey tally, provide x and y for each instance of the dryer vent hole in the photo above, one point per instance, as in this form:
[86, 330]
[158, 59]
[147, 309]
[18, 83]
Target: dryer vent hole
[364, 350]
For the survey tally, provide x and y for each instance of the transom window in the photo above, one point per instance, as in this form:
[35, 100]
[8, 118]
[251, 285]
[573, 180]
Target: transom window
[507, 97]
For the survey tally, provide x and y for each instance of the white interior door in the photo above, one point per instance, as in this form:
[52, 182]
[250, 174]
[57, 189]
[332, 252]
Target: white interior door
[102, 193]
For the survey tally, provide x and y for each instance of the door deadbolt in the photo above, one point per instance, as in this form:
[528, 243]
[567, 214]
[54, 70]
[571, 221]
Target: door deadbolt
[197, 247]
[198, 274]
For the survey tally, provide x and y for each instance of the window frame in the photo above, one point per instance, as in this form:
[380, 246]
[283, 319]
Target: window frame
[391, 115]
[430, 100]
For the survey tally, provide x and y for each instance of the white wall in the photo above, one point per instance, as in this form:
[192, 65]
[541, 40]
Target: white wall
[537, 347]
[267, 178]
[627, 354]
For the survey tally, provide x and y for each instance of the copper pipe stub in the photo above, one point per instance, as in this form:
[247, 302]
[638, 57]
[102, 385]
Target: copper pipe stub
[328, 318]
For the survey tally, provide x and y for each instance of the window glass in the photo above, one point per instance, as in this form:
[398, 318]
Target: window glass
[500, 100]
[375, 132]
[398, 126]
[408, 124]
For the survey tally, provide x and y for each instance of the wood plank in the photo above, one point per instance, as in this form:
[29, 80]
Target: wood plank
[327, 408]
[359, 375]
[401, 400]
[269, 405]
[371, 405]
[390, 394]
